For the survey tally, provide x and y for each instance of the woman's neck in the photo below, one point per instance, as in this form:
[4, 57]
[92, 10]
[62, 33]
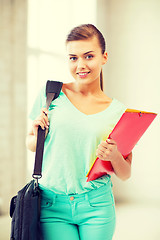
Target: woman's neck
[87, 89]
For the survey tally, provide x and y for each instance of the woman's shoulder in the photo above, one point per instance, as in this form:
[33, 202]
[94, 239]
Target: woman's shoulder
[113, 100]
[105, 97]
[68, 86]
[118, 104]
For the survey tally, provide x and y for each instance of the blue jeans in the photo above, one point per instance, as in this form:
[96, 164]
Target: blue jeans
[86, 216]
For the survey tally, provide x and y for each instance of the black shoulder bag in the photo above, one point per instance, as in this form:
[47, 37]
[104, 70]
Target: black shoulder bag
[25, 206]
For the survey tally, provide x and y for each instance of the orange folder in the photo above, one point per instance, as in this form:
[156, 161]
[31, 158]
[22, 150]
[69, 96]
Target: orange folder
[126, 133]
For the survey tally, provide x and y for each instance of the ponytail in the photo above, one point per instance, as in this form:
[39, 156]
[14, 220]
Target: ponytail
[101, 80]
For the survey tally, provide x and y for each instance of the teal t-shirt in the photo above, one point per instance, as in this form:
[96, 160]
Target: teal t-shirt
[70, 146]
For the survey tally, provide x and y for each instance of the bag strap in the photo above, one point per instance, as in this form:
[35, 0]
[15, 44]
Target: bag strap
[53, 89]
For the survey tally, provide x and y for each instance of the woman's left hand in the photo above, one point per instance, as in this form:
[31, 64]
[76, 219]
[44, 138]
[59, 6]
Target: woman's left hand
[107, 151]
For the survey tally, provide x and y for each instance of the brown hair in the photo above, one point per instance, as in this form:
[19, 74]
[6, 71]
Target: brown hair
[87, 31]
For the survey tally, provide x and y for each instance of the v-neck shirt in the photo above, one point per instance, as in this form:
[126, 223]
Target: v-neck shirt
[71, 143]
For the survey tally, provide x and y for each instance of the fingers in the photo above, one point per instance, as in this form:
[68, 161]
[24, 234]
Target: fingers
[109, 141]
[42, 120]
[108, 144]
[44, 117]
[103, 155]
[105, 149]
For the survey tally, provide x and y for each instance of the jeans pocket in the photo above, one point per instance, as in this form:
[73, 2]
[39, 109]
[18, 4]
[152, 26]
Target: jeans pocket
[46, 203]
[102, 200]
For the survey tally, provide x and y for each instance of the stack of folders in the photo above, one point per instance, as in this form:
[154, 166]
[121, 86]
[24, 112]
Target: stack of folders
[126, 133]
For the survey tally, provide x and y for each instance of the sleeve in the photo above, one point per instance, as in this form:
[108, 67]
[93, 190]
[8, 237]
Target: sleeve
[39, 103]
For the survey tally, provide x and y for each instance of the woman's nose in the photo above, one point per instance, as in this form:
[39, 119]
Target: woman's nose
[80, 64]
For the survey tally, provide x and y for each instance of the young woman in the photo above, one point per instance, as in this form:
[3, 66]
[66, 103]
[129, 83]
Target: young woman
[79, 122]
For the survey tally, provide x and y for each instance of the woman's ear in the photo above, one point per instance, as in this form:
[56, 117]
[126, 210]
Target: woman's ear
[105, 58]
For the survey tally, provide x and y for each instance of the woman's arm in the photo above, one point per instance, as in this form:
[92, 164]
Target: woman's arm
[42, 120]
[108, 151]
[31, 141]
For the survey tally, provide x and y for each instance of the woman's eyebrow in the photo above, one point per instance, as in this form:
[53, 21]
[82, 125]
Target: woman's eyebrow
[88, 52]
[83, 54]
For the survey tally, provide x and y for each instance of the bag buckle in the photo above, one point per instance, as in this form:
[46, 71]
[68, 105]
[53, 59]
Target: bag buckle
[36, 177]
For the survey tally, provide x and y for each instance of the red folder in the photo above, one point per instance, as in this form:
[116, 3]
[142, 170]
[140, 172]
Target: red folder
[126, 133]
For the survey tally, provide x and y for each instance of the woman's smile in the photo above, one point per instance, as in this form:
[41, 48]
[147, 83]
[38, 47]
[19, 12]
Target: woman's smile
[83, 74]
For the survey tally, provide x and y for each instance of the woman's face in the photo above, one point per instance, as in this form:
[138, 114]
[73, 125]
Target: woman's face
[85, 60]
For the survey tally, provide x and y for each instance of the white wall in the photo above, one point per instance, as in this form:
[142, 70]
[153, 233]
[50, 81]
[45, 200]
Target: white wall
[132, 76]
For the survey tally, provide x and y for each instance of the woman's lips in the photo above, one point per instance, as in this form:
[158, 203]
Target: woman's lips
[83, 74]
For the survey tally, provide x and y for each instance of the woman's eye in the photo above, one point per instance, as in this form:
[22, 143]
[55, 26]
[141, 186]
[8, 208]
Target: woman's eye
[89, 56]
[73, 58]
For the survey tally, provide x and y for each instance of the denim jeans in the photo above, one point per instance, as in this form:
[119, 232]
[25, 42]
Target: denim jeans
[86, 216]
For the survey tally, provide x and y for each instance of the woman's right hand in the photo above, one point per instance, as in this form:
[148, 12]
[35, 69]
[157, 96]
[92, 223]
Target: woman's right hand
[41, 120]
